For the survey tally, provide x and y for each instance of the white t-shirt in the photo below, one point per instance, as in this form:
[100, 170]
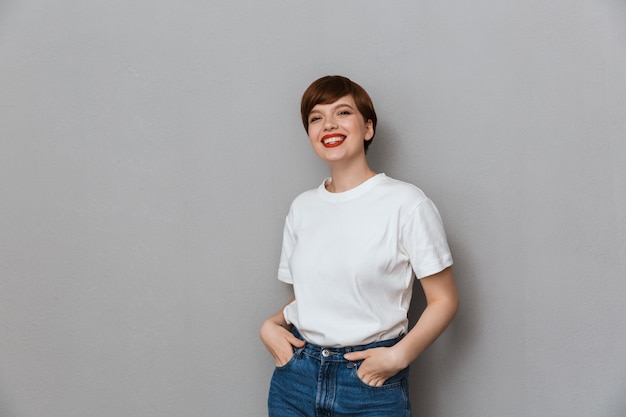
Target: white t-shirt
[351, 256]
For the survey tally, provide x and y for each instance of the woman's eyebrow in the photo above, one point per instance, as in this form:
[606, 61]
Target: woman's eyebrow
[342, 105]
[314, 110]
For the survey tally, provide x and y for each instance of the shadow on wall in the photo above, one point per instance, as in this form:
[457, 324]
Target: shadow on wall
[384, 148]
[441, 362]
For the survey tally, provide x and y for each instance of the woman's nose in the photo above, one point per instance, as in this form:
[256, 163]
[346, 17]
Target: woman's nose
[329, 124]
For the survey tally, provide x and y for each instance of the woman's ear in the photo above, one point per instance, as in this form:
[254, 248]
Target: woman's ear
[369, 130]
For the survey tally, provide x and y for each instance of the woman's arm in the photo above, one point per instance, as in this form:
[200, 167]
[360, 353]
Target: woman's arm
[276, 336]
[442, 303]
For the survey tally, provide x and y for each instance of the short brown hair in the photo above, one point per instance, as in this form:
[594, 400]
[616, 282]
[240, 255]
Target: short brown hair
[329, 89]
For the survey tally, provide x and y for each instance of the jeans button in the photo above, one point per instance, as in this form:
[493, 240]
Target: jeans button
[325, 353]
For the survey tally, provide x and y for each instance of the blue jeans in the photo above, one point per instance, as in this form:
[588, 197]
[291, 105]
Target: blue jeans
[319, 382]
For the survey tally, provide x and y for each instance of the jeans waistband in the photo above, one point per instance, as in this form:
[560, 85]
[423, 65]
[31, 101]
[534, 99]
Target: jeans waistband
[336, 353]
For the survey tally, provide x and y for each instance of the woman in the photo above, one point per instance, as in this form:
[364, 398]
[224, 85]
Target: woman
[351, 247]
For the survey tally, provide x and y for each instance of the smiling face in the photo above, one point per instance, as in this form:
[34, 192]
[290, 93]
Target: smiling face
[338, 130]
[330, 89]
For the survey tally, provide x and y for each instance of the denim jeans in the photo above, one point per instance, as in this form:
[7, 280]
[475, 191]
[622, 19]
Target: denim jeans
[319, 382]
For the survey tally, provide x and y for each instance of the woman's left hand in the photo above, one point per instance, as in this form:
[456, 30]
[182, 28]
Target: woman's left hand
[442, 302]
[379, 364]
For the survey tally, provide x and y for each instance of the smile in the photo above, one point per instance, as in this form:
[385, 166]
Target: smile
[330, 141]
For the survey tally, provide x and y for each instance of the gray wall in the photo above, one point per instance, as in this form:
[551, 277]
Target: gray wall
[149, 151]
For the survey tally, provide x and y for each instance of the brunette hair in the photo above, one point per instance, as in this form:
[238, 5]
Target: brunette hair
[329, 89]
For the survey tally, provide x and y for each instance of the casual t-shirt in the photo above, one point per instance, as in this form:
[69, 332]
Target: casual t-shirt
[351, 257]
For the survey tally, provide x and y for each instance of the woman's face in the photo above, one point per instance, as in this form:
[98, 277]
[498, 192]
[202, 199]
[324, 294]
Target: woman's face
[337, 130]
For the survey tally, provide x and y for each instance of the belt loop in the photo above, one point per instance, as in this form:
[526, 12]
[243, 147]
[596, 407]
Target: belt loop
[299, 352]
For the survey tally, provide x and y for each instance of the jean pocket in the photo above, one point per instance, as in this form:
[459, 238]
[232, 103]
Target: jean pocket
[286, 364]
[297, 353]
[392, 382]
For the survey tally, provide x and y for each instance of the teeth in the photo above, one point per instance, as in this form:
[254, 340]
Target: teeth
[332, 140]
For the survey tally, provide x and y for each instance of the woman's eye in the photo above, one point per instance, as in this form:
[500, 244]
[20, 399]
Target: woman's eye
[344, 112]
[314, 119]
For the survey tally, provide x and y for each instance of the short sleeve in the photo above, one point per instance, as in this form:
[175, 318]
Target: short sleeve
[424, 239]
[284, 272]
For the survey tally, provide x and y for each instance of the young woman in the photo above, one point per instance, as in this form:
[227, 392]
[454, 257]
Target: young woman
[351, 248]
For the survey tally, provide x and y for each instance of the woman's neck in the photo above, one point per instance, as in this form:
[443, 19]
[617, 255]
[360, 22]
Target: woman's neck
[347, 178]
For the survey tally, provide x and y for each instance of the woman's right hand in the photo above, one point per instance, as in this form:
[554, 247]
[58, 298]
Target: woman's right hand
[279, 341]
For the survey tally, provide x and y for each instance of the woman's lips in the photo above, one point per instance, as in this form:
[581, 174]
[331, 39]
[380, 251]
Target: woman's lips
[331, 141]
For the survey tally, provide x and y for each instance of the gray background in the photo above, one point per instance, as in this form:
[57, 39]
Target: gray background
[150, 149]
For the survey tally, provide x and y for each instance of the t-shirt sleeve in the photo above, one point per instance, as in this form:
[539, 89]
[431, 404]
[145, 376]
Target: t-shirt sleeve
[284, 272]
[424, 239]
